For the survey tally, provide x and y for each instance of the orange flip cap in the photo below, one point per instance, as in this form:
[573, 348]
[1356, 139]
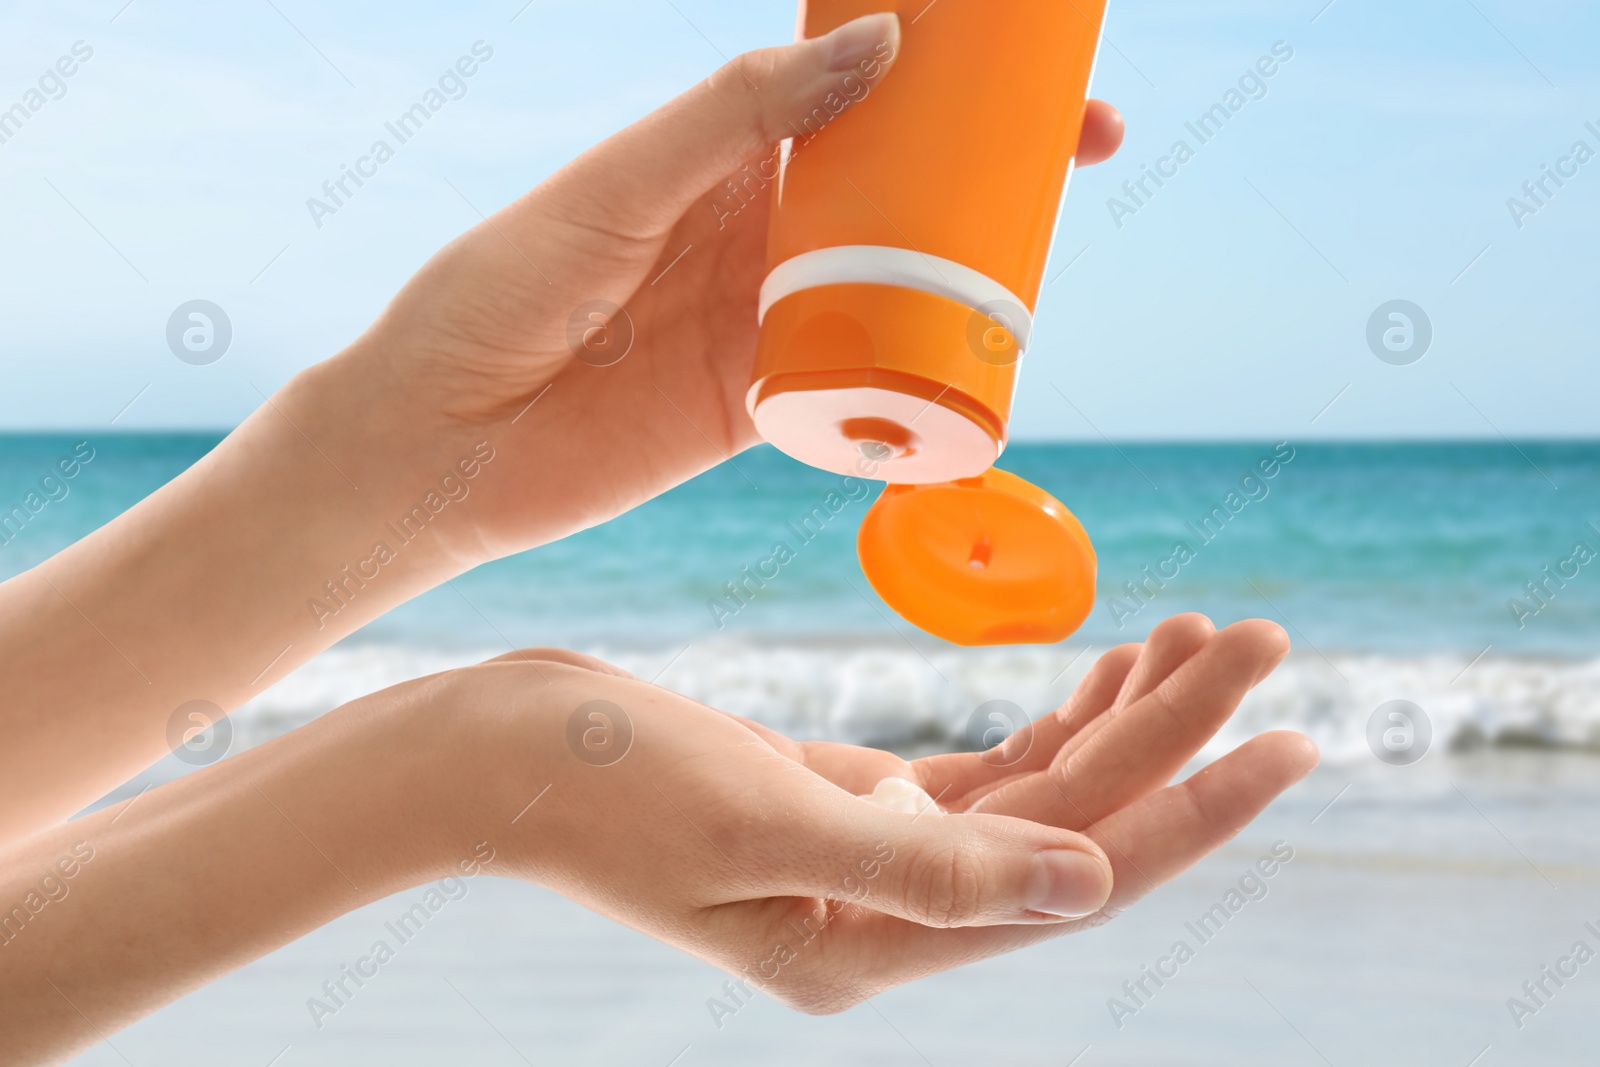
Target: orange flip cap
[989, 560]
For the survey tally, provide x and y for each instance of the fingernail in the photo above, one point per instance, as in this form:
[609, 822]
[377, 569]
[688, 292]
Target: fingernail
[1067, 884]
[860, 38]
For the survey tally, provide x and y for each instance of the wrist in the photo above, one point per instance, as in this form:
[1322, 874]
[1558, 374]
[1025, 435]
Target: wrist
[498, 768]
[419, 472]
[393, 781]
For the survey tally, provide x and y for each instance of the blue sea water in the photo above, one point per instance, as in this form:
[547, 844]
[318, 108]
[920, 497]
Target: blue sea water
[1391, 548]
[1400, 570]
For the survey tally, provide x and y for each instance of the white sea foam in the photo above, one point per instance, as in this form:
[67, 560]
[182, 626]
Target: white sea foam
[898, 695]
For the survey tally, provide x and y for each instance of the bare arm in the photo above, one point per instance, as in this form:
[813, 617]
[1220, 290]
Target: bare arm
[105, 919]
[205, 591]
[708, 833]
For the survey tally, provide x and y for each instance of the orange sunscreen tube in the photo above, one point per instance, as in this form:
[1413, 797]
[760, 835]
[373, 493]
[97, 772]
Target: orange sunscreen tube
[906, 249]
[908, 242]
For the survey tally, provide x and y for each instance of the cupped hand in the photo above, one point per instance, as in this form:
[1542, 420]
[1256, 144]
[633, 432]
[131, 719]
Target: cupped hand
[641, 222]
[757, 853]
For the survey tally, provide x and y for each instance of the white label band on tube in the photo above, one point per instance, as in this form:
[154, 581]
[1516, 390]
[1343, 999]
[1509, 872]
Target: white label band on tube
[883, 265]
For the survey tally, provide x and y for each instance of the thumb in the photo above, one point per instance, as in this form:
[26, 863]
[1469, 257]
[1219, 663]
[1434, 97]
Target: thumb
[640, 181]
[953, 870]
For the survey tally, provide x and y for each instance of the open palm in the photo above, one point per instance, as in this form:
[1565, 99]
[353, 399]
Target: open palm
[725, 838]
[1100, 765]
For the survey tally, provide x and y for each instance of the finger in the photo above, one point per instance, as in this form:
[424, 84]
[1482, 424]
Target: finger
[1166, 833]
[1149, 844]
[1139, 750]
[1140, 669]
[962, 777]
[640, 181]
[1093, 697]
[935, 870]
[1102, 133]
[1170, 644]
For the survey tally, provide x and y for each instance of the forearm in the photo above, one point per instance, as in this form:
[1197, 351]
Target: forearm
[109, 917]
[224, 580]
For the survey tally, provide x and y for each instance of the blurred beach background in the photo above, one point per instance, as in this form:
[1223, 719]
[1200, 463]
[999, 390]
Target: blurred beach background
[1419, 897]
[1224, 321]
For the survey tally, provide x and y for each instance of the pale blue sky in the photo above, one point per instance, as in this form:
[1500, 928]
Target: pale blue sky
[1233, 304]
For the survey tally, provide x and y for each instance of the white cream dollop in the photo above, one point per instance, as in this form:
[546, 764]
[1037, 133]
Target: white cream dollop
[898, 794]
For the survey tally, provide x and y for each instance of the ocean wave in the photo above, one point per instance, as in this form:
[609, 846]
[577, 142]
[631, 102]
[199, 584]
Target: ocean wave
[915, 699]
